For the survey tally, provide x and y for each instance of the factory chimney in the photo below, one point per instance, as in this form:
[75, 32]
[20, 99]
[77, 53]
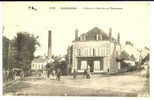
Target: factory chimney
[76, 34]
[118, 38]
[49, 43]
[110, 34]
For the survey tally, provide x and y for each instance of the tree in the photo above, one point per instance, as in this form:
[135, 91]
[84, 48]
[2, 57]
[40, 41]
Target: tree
[25, 45]
[5, 52]
[129, 43]
[132, 58]
[124, 55]
[146, 58]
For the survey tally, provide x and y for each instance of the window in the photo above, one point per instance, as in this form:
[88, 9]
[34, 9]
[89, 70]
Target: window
[79, 64]
[108, 50]
[97, 65]
[83, 65]
[96, 51]
[102, 64]
[36, 66]
[86, 53]
[79, 52]
[39, 66]
[105, 52]
[93, 52]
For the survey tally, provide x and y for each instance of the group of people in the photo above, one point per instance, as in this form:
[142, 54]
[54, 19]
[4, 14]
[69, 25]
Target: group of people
[86, 74]
[52, 74]
[13, 75]
[56, 74]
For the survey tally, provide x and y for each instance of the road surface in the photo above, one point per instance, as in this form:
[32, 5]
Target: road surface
[130, 84]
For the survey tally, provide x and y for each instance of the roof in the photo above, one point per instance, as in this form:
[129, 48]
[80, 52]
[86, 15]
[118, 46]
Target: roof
[94, 34]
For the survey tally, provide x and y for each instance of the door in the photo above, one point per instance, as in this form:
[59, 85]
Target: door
[91, 64]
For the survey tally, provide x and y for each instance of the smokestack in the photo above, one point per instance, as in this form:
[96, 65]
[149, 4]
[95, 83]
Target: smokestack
[118, 38]
[49, 43]
[110, 34]
[97, 37]
[76, 34]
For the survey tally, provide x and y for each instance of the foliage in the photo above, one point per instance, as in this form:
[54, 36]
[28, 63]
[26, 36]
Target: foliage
[25, 46]
[132, 58]
[123, 56]
[146, 58]
[58, 64]
[129, 43]
[5, 52]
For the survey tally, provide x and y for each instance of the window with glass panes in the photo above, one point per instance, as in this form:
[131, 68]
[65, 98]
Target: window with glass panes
[83, 64]
[96, 65]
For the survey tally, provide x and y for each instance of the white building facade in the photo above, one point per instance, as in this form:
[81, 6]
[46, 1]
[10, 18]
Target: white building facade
[93, 52]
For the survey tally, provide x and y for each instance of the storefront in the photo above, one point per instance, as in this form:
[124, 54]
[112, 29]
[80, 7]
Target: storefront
[95, 64]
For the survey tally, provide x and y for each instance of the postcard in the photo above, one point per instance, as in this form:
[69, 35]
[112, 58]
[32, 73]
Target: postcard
[98, 49]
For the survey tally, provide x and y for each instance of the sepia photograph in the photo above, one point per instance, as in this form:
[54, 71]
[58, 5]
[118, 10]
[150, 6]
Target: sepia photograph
[98, 49]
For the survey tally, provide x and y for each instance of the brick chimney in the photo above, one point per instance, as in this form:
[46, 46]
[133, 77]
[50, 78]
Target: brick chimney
[49, 43]
[118, 38]
[76, 34]
[110, 34]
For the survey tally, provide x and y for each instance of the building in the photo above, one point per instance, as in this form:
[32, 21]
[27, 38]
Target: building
[40, 63]
[96, 50]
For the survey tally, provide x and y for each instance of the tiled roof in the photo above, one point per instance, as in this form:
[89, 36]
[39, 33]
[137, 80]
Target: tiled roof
[91, 34]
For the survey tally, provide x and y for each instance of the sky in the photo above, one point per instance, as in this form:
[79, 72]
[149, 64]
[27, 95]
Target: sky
[132, 21]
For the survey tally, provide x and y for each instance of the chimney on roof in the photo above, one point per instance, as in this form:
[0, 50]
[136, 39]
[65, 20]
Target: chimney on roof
[76, 34]
[49, 43]
[118, 38]
[110, 34]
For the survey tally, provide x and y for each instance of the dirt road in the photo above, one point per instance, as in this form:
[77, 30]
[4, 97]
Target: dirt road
[129, 84]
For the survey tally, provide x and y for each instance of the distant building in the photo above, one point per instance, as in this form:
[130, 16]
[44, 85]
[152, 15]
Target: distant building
[132, 52]
[96, 50]
[39, 63]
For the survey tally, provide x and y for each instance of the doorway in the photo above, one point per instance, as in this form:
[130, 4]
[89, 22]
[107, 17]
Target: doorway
[91, 64]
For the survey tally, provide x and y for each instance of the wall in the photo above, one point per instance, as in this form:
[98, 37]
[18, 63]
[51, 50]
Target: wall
[108, 50]
[102, 49]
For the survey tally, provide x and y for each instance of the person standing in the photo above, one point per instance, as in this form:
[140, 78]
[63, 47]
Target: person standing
[74, 74]
[54, 74]
[58, 74]
[84, 73]
[88, 74]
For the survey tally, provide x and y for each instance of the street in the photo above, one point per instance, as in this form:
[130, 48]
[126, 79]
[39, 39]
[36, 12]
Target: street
[129, 84]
